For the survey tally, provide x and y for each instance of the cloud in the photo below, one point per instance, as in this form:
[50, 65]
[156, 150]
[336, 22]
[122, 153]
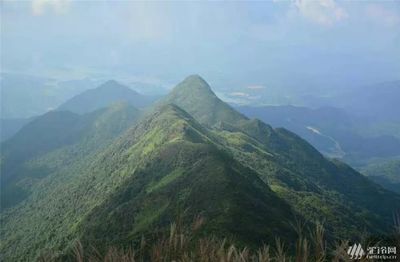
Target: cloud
[323, 12]
[240, 94]
[255, 87]
[40, 7]
[244, 95]
[239, 98]
[382, 15]
[150, 21]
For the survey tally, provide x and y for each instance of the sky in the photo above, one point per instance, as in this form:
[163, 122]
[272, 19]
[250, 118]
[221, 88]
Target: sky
[244, 49]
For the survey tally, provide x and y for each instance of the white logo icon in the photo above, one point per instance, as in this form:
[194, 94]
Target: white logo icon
[356, 251]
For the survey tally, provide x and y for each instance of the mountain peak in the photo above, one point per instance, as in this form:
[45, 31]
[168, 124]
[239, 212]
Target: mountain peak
[193, 83]
[196, 79]
[113, 84]
[103, 96]
[195, 96]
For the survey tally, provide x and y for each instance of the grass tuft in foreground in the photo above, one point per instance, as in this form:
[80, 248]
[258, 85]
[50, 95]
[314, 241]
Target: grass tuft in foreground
[180, 244]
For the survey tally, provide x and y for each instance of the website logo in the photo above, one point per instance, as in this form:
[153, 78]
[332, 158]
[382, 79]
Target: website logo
[356, 252]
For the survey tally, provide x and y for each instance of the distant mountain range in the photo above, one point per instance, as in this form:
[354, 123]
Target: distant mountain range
[25, 96]
[88, 101]
[10, 127]
[102, 96]
[334, 132]
[378, 101]
[386, 173]
[116, 174]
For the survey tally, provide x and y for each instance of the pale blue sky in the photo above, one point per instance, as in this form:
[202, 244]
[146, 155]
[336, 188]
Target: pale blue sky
[237, 46]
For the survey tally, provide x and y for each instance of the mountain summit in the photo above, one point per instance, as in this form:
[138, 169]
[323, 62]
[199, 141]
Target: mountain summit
[103, 96]
[113, 85]
[193, 83]
[195, 96]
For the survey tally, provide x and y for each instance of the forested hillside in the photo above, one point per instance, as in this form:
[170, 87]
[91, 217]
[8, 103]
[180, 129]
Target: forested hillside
[113, 176]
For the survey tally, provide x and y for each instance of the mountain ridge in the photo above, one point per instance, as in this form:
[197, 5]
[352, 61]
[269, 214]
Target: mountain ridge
[191, 155]
[305, 165]
[163, 165]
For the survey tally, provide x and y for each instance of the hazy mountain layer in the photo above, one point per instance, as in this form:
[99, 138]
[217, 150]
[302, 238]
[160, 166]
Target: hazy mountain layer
[104, 95]
[335, 133]
[386, 173]
[11, 126]
[55, 140]
[25, 96]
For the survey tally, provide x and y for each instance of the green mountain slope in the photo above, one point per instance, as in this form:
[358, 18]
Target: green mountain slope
[156, 170]
[54, 140]
[178, 167]
[104, 95]
[318, 188]
[386, 173]
[111, 180]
